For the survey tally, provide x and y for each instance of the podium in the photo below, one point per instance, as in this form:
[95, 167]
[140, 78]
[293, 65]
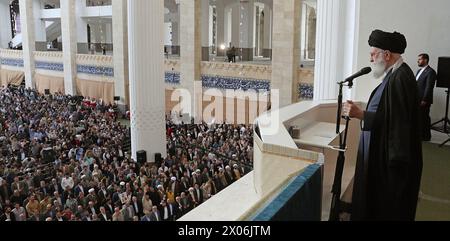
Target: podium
[318, 134]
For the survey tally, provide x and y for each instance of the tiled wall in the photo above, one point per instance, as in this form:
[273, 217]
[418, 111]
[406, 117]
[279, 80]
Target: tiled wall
[53, 61]
[305, 85]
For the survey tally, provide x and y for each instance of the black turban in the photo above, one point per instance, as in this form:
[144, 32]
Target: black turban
[394, 42]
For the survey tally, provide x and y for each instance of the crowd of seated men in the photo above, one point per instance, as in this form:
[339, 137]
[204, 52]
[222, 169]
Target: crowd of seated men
[63, 160]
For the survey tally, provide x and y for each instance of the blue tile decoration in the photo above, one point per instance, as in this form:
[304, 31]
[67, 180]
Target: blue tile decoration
[12, 62]
[96, 70]
[59, 67]
[234, 83]
[172, 78]
[306, 91]
[85, 69]
[222, 82]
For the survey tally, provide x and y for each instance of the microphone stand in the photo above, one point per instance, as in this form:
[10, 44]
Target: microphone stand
[337, 184]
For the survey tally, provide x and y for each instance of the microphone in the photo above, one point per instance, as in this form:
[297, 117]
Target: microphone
[362, 72]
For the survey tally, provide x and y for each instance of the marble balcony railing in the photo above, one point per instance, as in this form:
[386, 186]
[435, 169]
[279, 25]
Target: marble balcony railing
[11, 54]
[11, 58]
[244, 71]
[95, 60]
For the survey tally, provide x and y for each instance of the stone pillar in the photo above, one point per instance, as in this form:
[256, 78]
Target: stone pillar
[246, 31]
[220, 20]
[190, 58]
[5, 26]
[211, 28]
[69, 42]
[286, 49]
[267, 39]
[235, 25]
[120, 52]
[146, 66]
[39, 26]
[205, 29]
[28, 41]
[335, 43]
[312, 23]
[108, 33]
[227, 26]
[82, 39]
[176, 33]
[258, 32]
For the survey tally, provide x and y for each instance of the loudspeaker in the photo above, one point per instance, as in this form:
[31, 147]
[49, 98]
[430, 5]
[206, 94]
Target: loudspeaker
[443, 78]
[116, 98]
[158, 159]
[47, 92]
[141, 157]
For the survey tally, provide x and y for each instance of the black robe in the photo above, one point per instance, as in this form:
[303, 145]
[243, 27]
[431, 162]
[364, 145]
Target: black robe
[387, 184]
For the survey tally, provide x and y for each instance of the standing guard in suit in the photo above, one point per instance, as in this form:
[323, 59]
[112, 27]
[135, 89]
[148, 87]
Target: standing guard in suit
[426, 80]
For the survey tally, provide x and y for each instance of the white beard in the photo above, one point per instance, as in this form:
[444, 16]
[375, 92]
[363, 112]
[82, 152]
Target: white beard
[379, 67]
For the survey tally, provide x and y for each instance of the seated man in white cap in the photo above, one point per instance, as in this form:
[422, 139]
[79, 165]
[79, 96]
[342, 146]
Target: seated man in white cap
[92, 197]
[237, 172]
[223, 183]
[229, 175]
[174, 186]
[192, 197]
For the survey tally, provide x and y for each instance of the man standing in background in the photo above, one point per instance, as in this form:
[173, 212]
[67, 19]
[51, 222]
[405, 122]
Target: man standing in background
[426, 80]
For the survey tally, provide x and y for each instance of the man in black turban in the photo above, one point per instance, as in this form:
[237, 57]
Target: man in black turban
[394, 42]
[389, 165]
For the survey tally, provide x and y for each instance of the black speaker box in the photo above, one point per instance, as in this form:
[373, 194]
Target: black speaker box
[141, 157]
[116, 98]
[158, 159]
[443, 78]
[47, 92]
